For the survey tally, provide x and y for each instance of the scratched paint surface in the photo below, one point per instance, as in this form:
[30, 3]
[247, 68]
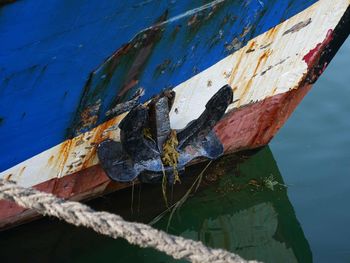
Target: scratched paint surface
[48, 51]
[253, 77]
[313, 162]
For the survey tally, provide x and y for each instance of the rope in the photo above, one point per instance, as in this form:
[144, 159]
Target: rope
[113, 225]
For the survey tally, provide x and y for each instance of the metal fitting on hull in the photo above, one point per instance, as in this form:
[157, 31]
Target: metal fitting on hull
[146, 129]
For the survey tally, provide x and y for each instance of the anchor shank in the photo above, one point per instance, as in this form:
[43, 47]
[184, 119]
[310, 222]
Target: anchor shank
[160, 121]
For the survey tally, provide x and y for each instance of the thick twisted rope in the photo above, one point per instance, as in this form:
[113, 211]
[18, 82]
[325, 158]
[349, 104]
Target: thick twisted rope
[113, 225]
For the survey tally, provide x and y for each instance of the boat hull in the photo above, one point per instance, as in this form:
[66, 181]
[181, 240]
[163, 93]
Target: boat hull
[270, 75]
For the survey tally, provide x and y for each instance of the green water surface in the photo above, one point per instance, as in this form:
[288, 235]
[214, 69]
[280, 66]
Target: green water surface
[287, 202]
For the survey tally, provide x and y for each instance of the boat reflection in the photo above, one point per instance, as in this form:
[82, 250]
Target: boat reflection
[242, 207]
[247, 212]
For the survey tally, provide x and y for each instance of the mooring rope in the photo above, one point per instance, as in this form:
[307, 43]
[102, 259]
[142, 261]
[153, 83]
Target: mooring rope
[113, 225]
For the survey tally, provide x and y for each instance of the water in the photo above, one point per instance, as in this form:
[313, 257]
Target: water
[313, 154]
[235, 210]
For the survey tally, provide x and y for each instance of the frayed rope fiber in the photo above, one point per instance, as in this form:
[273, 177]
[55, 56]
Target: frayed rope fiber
[113, 226]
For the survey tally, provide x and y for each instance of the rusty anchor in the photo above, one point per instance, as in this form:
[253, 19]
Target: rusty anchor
[145, 130]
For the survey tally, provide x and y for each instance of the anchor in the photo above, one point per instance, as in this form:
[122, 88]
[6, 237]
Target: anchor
[146, 129]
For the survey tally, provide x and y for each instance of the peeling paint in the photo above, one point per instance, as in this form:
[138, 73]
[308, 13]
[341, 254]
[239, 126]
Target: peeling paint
[126, 63]
[311, 57]
[78, 46]
[251, 125]
[298, 26]
[242, 70]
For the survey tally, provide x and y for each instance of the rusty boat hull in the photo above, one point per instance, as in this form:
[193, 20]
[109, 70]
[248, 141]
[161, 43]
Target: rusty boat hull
[67, 83]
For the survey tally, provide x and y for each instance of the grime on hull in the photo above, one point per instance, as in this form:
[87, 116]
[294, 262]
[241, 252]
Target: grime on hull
[269, 52]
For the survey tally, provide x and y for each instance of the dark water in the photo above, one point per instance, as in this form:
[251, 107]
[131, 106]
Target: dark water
[238, 208]
[313, 154]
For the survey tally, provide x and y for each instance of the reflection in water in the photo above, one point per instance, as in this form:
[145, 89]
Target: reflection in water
[234, 210]
[249, 232]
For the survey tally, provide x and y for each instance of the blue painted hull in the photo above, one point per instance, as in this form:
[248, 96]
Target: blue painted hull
[60, 58]
[68, 70]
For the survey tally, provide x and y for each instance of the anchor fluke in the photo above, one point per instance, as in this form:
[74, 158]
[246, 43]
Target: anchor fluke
[145, 134]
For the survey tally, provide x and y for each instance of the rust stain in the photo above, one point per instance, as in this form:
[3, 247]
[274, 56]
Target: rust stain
[51, 160]
[84, 156]
[274, 91]
[245, 91]
[21, 171]
[89, 115]
[8, 177]
[63, 154]
[79, 142]
[261, 61]
[235, 69]
[130, 59]
[252, 45]
[271, 33]
[85, 183]
[248, 127]
[98, 136]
